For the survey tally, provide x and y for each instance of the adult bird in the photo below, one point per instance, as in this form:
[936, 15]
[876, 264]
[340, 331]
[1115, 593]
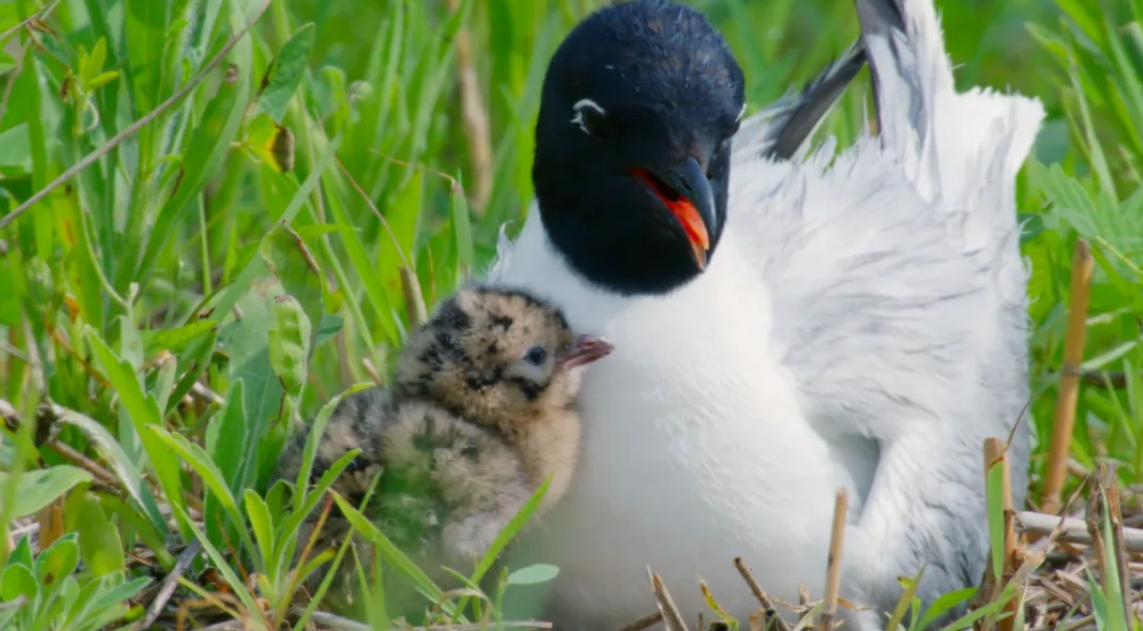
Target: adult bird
[783, 326]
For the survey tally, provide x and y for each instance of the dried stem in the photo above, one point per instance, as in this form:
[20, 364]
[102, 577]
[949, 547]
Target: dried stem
[762, 596]
[205, 394]
[672, 619]
[38, 15]
[1103, 505]
[476, 125]
[1056, 469]
[94, 468]
[342, 624]
[1072, 530]
[371, 370]
[645, 622]
[833, 565]
[169, 584]
[49, 414]
[414, 299]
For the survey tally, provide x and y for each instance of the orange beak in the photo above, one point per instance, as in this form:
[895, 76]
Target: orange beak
[687, 194]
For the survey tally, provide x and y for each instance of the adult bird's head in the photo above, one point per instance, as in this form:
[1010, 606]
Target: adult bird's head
[632, 163]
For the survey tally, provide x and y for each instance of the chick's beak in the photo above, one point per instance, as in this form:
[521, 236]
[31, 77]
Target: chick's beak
[586, 349]
[687, 194]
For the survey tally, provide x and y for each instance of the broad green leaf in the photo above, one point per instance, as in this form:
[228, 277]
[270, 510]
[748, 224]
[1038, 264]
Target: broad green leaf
[286, 72]
[15, 154]
[263, 529]
[201, 463]
[134, 520]
[533, 574]
[143, 411]
[100, 547]
[57, 562]
[22, 554]
[17, 581]
[40, 487]
[211, 476]
[944, 604]
[145, 38]
[289, 344]
[296, 268]
[177, 339]
[123, 466]
[246, 341]
[102, 79]
[226, 438]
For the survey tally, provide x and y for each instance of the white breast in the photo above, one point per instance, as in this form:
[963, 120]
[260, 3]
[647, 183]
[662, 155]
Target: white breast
[690, 410]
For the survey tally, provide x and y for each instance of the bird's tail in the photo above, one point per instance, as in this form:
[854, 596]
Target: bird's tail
[780, 130]
[963, 148]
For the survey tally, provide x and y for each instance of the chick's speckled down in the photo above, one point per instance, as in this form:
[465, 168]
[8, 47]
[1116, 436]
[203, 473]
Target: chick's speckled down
[480, 414]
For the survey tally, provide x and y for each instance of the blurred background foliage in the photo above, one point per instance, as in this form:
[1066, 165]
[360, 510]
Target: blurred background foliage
[239, 261]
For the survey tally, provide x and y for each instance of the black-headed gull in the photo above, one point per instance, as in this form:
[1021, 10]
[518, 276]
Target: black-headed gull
[782, 328]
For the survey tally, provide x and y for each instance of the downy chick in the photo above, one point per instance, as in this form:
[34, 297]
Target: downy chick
[480, 414]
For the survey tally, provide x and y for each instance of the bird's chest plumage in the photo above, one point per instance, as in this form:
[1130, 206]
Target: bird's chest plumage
[695, 449]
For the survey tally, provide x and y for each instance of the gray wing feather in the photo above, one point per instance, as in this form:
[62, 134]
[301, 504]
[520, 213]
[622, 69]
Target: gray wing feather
[780, 130]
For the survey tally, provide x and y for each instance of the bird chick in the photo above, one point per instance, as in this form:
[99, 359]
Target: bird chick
[480, 414]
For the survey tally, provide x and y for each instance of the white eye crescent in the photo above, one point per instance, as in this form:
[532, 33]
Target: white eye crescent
[579, 107]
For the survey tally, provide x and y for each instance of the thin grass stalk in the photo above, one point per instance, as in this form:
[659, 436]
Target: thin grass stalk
[1072, 530]
[1110, 556]
[475, 115]
[763, 598]
[672, 618]
[833, 565]
[133, 128]
[995, 454]
[1070, 376]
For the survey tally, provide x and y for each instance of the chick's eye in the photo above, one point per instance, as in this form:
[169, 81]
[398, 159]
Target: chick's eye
[536, 355]
[590, 117]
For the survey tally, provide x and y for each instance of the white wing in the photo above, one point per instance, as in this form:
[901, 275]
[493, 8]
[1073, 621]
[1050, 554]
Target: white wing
[899, 296]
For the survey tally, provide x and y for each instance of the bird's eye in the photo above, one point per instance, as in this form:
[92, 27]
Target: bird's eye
[592, 119]
[536, 355]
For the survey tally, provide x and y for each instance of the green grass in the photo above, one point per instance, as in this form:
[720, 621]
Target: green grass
[209, 249]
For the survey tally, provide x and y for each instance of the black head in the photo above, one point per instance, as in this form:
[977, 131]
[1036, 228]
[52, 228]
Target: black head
[633, 145]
